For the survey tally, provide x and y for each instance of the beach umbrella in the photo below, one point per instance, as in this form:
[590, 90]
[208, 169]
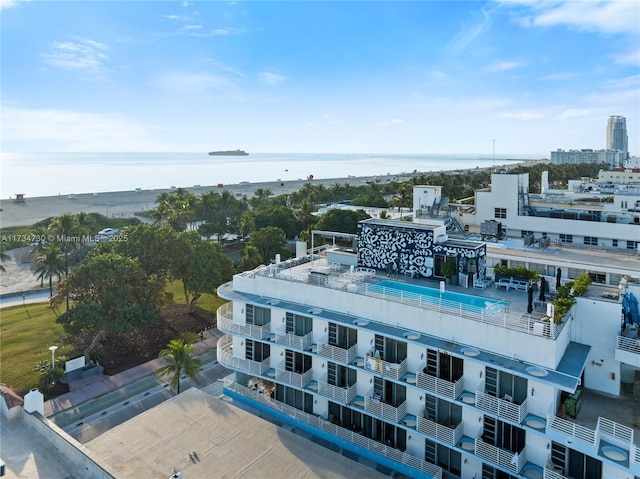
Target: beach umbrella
[529, 299]
[558, 275]
[543, 285]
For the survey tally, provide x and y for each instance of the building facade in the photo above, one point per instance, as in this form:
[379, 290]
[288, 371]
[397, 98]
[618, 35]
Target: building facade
[617, 138]
[396, 368]
[610, 157]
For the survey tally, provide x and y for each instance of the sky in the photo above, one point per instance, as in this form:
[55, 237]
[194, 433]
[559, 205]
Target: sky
[318, 76]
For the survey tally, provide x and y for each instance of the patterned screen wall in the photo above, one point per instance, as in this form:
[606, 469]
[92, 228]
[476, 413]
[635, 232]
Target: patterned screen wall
[399, 249]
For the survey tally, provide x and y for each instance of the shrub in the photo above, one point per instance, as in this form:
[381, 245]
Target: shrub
[517, 272]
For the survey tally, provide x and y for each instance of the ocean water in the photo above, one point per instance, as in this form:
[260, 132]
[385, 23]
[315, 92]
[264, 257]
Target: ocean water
[50, 174]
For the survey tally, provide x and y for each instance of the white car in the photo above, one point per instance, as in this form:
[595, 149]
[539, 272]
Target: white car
[106, 233]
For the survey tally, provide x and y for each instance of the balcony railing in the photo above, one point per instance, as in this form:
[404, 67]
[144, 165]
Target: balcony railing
[500, 318]
[551, 474]
[448, 389]
[385, 368]
[446, 434]
[628, 344]
[337, 354]
[384, 410]
[225, 323]
[571, 429]
[336, 393]
[502, 408]
[512, 461]
[338, 431]
[291, 340]
[226, 358]
[298, 380]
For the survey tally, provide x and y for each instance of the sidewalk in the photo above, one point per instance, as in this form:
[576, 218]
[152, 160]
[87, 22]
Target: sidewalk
[85, 389]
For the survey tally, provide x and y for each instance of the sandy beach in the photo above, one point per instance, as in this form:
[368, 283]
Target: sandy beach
[124, 204]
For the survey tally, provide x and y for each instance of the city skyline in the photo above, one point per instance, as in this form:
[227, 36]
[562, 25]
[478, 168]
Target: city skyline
[318, 77]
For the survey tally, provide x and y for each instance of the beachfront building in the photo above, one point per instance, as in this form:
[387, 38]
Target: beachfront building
[599, 217]
[617, 138]
[372, 349]
[620, 176]
[612, 158]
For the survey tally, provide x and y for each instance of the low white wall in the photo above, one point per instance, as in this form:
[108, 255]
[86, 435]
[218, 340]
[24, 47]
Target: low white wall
[75, 452]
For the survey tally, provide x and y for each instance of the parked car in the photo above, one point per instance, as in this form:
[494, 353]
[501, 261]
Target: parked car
[106, 233]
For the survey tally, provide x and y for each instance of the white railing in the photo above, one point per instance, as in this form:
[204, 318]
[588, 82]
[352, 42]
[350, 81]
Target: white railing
[634, 457]
[336, 393]
[337, 354]
[502, 457]
[293, 379]
[571, 429]
[496, 316]
[551, 474]
[292, 341]
[628, 344]
[502, 407]
[448, 435]
[385, 368]
[616, 431]
[338, 431]
[384, 410]
[439, 386]
[225, 323]
[226, 358]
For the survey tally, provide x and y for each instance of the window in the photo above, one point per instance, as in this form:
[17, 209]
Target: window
[591, 240]
[566, 238]
[631, 244]
[500, 213]
[598, 277]
[614, 243]
[257, 315]
[524, 233]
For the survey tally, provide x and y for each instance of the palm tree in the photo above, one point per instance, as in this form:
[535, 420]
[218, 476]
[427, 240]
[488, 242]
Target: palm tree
[49, 264]
[3, 257]
[65, 226]
[180, 359]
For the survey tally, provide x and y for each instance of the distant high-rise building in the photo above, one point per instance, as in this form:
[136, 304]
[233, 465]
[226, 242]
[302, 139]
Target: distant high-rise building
[617, 138]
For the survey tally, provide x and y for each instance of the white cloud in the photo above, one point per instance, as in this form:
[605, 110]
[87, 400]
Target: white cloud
[82, 54]
[559, 76]
[191, 27]
[66, 130]
[572, 113]
[604, 17]
[469, 32]
[394, 121]
[270, 79]
[523, 115]
[8, 3]
[630, 57]
[500, 66]
[195, 83]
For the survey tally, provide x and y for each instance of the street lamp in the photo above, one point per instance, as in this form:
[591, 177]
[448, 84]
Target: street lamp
[53, 355]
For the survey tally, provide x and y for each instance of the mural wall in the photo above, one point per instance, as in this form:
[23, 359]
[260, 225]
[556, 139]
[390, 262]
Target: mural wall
[400, 248]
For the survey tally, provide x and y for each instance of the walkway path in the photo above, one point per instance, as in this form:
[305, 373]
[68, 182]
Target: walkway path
[85, 389]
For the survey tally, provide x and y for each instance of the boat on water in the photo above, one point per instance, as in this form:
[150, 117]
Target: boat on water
[229, 153]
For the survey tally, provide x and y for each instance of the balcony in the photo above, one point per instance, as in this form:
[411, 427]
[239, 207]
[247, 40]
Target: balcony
[503, 408]
[385, 368]
[226, 358]
[511, 461]
[449, 435]
[225, 323]
[442, 387]
[628, 351]
[352, 437]
[336, 353]
[289, 377]
[384, 410]
[335, 393]
[291, 340]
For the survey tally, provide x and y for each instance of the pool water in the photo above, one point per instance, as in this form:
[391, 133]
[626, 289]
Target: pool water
[469, 302]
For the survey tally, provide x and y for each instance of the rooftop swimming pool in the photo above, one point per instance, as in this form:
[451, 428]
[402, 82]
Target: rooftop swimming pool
[423, 294]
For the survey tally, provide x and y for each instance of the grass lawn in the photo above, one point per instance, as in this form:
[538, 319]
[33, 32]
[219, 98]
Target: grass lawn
[26, 332]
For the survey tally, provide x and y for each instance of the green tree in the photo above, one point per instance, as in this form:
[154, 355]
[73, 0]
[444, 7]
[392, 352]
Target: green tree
[269, 241]
[49, 263]
[201, 265]
[180, 360]
[343, 221]
[48, 375]
[250, 258]
[3, 257]
[65, 227]
[111, 293]
[151, 245]
[403, 198]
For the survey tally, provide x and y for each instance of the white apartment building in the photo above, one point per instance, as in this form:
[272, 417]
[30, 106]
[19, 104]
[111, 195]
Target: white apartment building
[368, 348]
[620, 176]
[613, 158]
[567, 217]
